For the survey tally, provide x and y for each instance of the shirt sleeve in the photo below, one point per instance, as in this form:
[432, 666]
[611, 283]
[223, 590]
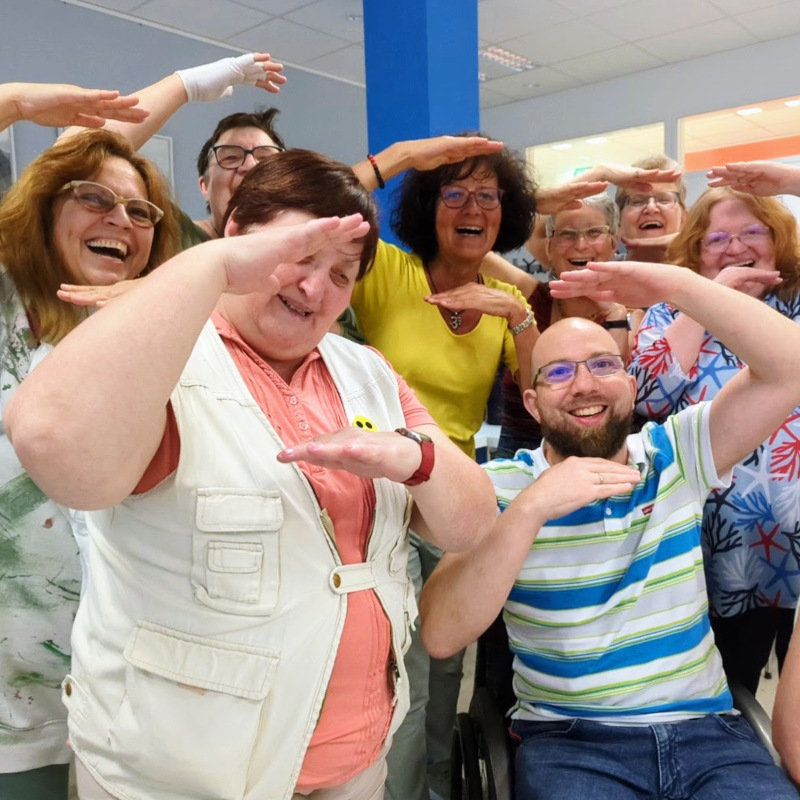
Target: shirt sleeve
[660, 381]
[165, 460]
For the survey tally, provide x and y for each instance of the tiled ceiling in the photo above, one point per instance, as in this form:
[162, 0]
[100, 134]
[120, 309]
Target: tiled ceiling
[572, 42]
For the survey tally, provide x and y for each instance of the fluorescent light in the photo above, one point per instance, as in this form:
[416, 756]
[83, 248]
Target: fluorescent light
[792, 103]
[597, 140]
[562, 146]
[506, 58]
[746, 112]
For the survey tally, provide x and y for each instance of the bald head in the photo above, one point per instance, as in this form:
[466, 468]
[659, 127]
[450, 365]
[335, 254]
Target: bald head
[571, 339]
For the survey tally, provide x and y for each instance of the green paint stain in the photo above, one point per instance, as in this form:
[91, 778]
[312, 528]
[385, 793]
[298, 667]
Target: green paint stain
[18, 498]
[22, 679]
[53, 648]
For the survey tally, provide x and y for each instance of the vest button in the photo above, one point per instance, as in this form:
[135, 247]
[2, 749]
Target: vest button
[68, 689]
[337, 580]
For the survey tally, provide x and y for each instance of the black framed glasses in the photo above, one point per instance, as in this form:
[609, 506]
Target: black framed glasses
[661, 199]
[720, 241]
[231, 156]
[487, 197]
[100, 199]
[561, 373]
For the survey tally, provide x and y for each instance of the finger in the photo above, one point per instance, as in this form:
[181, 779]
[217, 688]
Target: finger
[86, 121]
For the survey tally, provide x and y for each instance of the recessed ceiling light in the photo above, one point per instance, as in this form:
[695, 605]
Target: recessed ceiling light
[597, 140]
[507, 59]
[792, 103]
[746, 112]
[481, 77]
[562, 146]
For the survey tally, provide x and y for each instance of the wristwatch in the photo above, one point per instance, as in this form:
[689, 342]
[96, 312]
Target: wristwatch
[423, 473]
[617, 323]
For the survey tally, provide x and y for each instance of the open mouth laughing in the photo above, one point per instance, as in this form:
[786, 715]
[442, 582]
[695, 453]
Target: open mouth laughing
[109, 248]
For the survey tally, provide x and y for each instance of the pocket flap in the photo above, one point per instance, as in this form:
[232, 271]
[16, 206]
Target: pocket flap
[239, 510]
[242, 557]
[233, 669]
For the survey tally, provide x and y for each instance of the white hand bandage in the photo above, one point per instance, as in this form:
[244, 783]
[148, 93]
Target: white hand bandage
[216, 80]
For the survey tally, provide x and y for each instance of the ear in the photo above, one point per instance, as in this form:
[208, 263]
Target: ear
[232, 228]
[531, 401]
[632, 384]
[547, 243]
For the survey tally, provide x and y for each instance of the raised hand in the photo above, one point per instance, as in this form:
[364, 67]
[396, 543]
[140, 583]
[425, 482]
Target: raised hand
[370, 454]
[763, 178]
[634, 178]
[63, 104]
[213, 81]
[567, 196]
[749, 280]
[478, 297]
[96, 296]
[425, 154]
[653, 249]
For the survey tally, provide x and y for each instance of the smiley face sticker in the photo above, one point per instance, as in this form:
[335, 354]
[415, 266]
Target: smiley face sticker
[365, 424]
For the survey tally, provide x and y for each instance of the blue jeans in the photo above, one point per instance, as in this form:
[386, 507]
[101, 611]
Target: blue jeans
[710, 758]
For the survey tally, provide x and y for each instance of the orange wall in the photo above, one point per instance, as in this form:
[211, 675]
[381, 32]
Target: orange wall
[753, 151]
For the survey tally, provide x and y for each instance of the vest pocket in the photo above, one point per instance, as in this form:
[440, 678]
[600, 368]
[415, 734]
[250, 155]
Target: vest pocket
[189, 717]
[236, 550]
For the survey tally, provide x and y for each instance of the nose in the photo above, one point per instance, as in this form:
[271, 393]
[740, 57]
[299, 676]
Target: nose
[735, 245]
[248, 163]
[650, 205]
[583, 380]
[312, 283]
[118, 215]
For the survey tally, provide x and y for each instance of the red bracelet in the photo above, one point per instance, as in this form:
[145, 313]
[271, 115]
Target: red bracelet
[381, 182]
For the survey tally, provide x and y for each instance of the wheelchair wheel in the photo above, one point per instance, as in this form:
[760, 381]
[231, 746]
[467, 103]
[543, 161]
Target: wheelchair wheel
[465, 774]
[495, 757]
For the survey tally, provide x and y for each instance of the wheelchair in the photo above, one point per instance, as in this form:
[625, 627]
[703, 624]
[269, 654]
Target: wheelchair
[482, 755]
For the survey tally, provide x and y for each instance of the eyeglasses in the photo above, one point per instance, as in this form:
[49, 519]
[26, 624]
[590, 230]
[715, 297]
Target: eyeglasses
[487, 198]
[560, 373]
[100, 199]
[720, 241]
[231, 156]
[568, 236]
[662, 200]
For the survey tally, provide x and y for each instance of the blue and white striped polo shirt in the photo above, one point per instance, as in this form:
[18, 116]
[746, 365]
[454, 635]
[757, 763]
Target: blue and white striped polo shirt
[608, 619]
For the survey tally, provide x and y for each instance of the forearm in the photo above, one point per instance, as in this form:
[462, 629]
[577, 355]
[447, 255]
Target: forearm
[467, 591]
[524, 343]
[88, 420]
[685, 337]
[456, 507]
[391, 161]
[9, 110]
[495, 266]
[162, 99]
[786, 715]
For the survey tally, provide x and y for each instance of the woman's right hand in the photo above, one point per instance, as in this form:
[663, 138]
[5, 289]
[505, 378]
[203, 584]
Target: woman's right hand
[96, 296]
[749, 280]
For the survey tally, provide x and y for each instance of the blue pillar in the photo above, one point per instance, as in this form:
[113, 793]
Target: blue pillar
[422, 74]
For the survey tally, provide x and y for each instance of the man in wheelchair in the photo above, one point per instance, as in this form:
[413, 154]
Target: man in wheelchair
[596, 559]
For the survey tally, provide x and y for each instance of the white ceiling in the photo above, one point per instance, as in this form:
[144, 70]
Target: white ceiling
[573, 42]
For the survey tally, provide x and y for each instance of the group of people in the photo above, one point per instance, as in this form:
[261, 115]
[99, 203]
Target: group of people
[244, 626]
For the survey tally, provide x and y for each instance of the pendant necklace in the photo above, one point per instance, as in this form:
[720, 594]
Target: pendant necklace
[455, 320]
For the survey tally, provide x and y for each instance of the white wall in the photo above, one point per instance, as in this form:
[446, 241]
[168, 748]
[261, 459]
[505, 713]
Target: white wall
[738, 77]
[48, 40]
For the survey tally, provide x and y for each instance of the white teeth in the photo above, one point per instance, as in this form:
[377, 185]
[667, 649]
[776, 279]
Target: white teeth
[650, 225]
[296, 310]
[590, 411]
[742, 264]
[578, 262]
[119, 249]
[468, 229]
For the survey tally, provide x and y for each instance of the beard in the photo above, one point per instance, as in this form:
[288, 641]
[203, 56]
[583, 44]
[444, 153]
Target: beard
[603, 442]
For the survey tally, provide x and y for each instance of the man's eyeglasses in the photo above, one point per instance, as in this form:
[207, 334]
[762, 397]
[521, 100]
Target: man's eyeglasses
[231, 156]
[569, 236]
[487, 198]
[100, 199]
[662, 200]
[720, 241]
[560, 373]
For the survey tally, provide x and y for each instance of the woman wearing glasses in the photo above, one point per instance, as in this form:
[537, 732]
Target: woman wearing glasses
[88, 210]
[751, 545]
[446, 329]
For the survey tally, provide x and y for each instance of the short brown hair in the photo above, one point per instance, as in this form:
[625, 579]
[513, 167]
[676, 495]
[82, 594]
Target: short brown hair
[306, 181]
[685, 249]
[27, 218]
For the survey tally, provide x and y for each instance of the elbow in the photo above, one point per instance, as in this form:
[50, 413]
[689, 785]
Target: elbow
[786, 740]
[436, 641]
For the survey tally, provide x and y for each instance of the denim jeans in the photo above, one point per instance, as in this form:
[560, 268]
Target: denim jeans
[710, 758]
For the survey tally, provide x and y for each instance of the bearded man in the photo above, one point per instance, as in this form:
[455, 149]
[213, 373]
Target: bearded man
[595, 557]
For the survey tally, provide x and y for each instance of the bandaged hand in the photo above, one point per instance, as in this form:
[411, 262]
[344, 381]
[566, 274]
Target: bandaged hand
[210, 82]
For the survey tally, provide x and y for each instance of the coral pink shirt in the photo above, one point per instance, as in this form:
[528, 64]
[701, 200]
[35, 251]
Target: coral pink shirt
[357, 710]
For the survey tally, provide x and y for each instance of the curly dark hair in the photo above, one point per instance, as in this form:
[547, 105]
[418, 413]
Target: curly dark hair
[414, 217]
[263, 119]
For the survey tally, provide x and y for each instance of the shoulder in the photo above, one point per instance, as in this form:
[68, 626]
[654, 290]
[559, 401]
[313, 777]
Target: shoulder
[509, 476]
[493, 283]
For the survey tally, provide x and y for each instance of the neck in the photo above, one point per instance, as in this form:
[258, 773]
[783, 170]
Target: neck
[208, 226]
[449, 273]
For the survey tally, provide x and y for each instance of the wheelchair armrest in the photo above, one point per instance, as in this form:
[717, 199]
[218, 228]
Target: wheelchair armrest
[755, 714]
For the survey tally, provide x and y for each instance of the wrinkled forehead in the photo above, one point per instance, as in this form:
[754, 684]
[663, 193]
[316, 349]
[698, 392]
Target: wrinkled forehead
[572, 339]
[579, 218]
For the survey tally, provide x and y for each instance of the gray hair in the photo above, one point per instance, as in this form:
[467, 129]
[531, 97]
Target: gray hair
[602, 202]
[654, 161]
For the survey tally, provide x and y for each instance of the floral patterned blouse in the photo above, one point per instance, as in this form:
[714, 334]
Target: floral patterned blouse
[751, 530]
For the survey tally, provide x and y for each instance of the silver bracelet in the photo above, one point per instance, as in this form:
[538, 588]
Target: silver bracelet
[524, 325]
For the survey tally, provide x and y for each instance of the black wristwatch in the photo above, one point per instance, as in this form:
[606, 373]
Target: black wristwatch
[617, 323]
[423, 473]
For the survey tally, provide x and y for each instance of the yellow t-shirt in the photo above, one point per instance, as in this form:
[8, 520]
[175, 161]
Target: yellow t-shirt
[451, 374]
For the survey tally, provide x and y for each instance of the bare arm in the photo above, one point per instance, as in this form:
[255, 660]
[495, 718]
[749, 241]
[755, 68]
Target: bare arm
[466, 591]
[59, 104]
[453, 509]
[756, 401]
[786, 713]
[88, 420]
[207, 82]
[757, 177]
[495, 266]
[422, 154]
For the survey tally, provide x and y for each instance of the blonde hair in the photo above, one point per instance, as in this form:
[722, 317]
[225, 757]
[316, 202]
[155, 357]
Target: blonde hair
[27, 249]
[685, 248]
